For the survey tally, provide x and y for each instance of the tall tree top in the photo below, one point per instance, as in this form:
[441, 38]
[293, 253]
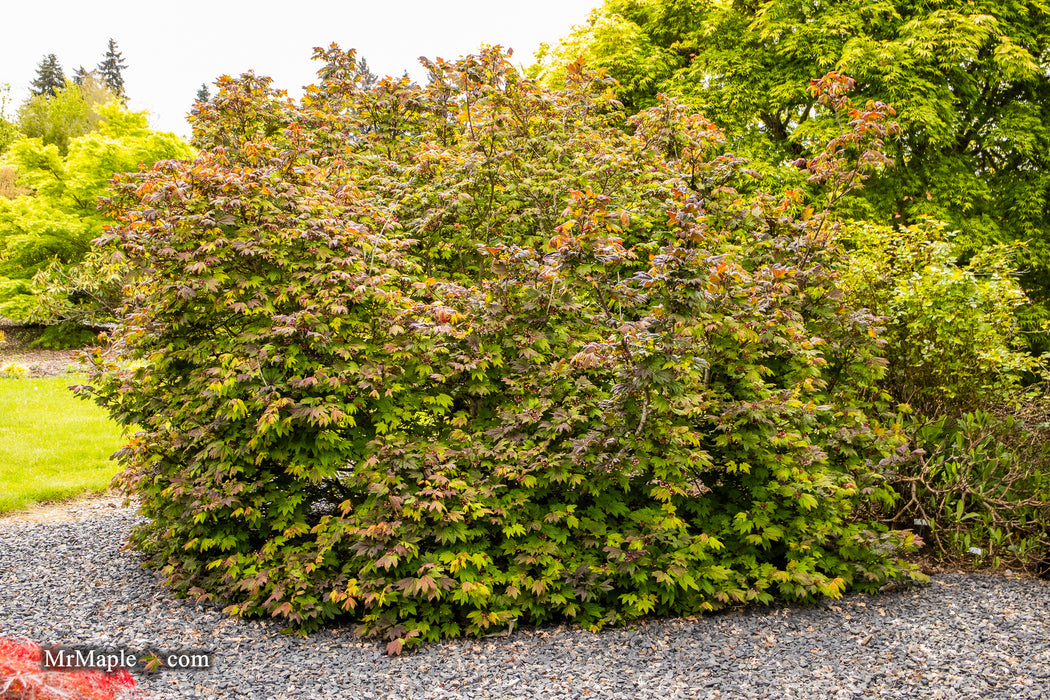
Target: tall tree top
[111, 70]
[49, 76]
[968, 80]
[204, 94]
[368, 78]
[81, 74]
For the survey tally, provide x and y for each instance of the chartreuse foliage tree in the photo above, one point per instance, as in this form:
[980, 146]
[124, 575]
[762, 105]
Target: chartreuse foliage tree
[8, 129]
[52, 225]
[71, 112]
[968, 80]
[448, 358]
[952, 329]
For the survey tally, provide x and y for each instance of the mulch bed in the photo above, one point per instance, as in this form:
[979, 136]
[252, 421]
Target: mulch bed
[41, 362]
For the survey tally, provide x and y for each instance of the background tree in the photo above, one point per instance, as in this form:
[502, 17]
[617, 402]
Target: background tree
[8, 134]
[968, 81]
[203, 94]
[70, 112]
[52, 225]
[81, 75]
[368, 78]
[8, 128]
[49, 77]
[111, 70]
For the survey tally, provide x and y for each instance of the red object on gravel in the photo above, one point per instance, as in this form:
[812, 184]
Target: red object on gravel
[22, 677]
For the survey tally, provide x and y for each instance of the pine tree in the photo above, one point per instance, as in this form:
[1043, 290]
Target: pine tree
[49, 76]
[81, 75]
[368, 78]
[110, 70]
[204, 94]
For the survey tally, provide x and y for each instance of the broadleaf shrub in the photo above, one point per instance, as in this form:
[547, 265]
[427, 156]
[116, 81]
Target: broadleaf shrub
[973, 402]
[444, 359]
[978, 488]
[954, 337]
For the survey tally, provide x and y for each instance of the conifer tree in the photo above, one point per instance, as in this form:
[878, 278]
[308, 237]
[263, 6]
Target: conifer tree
[80, 75]
[49, 76]
[204, 94]
[368, 78]
[110, 70]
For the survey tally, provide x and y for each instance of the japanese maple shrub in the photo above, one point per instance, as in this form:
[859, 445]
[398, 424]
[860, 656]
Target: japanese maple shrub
[447, 358]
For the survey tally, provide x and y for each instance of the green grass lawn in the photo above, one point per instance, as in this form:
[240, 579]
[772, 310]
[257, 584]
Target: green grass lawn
[52, 445]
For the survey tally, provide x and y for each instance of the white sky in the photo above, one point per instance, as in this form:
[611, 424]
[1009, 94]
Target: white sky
[171, 48]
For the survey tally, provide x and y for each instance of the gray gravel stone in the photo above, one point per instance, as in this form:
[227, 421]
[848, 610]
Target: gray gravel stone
[69, 582]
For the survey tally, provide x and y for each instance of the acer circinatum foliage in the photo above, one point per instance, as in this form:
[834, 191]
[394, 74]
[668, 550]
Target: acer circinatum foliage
[446, 358]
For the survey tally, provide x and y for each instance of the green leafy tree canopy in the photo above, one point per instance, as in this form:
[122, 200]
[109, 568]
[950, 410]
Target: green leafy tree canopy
[56, 221]
[968, 81]
[70, 112]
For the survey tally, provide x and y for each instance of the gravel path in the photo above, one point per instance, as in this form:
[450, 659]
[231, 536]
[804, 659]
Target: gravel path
[67, 581]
